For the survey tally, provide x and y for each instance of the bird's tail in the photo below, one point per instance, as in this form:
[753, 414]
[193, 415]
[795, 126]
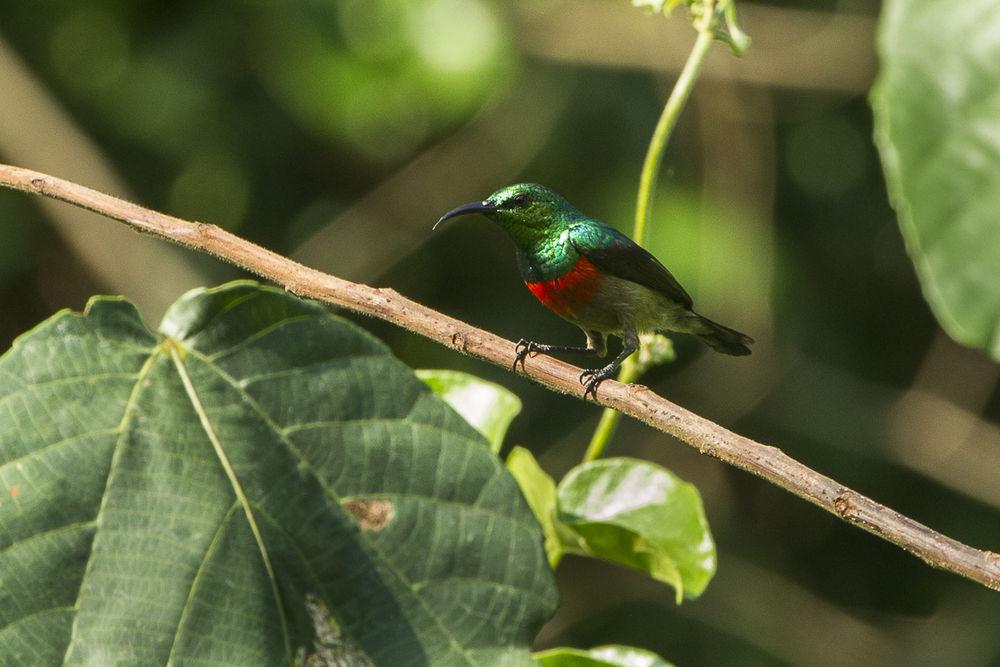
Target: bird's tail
[720, 338]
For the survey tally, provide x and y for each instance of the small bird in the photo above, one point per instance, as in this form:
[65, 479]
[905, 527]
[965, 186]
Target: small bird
[593, 276]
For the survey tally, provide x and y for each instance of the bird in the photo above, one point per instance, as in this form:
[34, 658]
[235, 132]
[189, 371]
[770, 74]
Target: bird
[593, 276]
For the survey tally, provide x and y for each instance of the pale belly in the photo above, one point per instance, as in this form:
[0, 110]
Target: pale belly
[618, 304]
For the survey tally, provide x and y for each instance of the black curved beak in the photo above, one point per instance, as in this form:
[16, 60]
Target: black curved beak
[466, 209]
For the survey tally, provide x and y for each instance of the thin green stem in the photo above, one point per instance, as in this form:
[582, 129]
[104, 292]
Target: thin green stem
[644, 201]
[664, 129]
[605, 430]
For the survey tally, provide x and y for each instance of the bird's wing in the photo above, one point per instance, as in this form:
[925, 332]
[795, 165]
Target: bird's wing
[616, 254]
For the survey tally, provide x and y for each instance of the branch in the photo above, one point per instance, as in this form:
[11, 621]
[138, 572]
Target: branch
[637, 401]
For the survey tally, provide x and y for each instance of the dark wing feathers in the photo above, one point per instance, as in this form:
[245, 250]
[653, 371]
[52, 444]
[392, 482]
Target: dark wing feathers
[616, 254]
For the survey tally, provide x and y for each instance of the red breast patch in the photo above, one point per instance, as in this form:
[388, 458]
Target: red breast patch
[570, 291]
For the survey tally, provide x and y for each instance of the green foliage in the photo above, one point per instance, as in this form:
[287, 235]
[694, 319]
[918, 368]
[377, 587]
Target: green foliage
[389, 72]
[600, 656]
[311, 114]
[659, 6]
[725, 24]
[252, 484]
[937, 118]
[641, 515]
[540, 491]
[655, 349]
[487, 406]
[626, 511]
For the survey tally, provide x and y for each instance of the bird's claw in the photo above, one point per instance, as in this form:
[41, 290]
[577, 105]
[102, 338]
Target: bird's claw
[592, 379]
[522, 351]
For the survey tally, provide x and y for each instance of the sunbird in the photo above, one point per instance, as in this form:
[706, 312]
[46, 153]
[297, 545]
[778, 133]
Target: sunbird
[593, 276]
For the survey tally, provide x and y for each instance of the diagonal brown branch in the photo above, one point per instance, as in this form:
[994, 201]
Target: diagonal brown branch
[637, 401]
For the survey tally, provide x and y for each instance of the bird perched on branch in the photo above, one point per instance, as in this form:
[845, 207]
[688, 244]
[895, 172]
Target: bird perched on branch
[593, 276]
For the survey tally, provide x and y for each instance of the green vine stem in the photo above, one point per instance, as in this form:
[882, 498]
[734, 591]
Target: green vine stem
[647, 183]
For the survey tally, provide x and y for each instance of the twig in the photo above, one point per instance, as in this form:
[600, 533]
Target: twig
[637, 401]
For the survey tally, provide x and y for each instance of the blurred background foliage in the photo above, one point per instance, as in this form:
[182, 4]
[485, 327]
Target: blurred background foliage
[337, 132]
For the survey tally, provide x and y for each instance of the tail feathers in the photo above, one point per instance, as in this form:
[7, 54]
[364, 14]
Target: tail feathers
[720, 338]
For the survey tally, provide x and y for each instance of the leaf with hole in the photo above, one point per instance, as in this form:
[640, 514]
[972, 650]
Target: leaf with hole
[258, 482]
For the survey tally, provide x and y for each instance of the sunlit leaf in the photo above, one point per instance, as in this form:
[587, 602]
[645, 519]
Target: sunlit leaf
[257, 482]
[488, 407]
[937, 112]
[540, 491]
[615, 543]
[641, 515]
[611, 655]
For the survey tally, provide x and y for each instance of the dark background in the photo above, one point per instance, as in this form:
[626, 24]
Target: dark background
[337, 133]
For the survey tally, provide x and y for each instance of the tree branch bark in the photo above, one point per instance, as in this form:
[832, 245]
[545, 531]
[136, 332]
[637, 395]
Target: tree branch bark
[637, 401]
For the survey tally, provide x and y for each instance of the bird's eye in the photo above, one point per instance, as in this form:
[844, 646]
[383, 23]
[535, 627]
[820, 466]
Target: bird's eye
[521, 201]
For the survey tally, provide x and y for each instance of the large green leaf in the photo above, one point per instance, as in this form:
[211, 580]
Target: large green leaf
[937, 113]
[612, 655]
[640, 515]
[257, 481]
[487, 406]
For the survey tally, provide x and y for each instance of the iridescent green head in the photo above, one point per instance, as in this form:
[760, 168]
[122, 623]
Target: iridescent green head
[528, 212]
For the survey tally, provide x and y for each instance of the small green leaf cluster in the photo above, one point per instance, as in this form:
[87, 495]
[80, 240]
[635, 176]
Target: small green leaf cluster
[719, 16]
[659, 6]
[655, 349]
[623, 510]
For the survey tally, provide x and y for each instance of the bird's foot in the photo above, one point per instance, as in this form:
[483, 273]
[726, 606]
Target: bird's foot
[527, 348]
[592, 379]
[523, 350]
